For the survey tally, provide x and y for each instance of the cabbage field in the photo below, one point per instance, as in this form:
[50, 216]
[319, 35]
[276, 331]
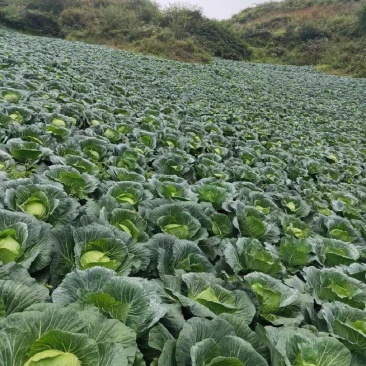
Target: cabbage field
[168, 214]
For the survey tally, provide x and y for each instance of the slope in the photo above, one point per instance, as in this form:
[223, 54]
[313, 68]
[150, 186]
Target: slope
[330, 34]
[179, 33]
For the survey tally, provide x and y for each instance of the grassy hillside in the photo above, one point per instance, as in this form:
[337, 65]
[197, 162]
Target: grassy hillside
[330, 34]
[179, 33]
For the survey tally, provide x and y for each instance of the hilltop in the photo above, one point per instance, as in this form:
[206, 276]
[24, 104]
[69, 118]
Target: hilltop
[330, 34]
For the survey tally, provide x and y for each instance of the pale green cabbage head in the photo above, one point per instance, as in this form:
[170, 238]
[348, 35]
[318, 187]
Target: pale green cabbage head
[10, 244]
[58, 122]
[97, 258]
[35, 208]
[11, 97]
[53, 357]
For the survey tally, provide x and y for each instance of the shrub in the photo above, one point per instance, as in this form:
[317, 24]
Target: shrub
[221, 40]
[12, 15]
[42, 23]
[362, 19]
[308, 33]
[166, 46]
[31, 20]
[72, 19]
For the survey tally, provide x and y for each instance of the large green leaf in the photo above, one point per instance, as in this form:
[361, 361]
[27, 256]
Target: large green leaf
[346, 323]
[277, 302]
[332, 285]
[207, 298]
[131, 300]
[249, 255]
[298, 346]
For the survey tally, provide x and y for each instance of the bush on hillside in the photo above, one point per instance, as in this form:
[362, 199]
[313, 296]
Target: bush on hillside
[48, 6]
[221, 41]
[175, 49]
[216, 37]
[363, 19]
[41, 23]
[12, 16]
[308, 32]
[30, 20]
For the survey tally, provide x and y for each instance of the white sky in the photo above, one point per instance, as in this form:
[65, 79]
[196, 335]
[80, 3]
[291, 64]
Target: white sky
[219, 9]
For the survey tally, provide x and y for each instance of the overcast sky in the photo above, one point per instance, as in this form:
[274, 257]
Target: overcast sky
[219, 9]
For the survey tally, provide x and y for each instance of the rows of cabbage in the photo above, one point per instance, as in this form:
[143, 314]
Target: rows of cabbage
[158, 213]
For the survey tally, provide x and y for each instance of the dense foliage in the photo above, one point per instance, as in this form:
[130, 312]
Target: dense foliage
[168, 214]
[330, 34]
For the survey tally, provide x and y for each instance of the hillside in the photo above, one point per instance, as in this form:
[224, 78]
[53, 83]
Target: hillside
[179, 32]
[160, 213]
[330, 34]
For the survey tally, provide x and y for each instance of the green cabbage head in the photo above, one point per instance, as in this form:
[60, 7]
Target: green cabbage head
[53, 357]
[95, 258]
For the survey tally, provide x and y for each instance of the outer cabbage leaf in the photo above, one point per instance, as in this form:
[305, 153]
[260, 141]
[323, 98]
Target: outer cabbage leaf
[229, 351]
[332, 285]
[249, 255]
[213, 342]
[300, 347]
[242, 330]
[18, 290]
[76, 184]
[277, 303]
[45, 202]
[206, 298]
[346, 323]
[356, 270]
[97, 245]
[296, 252]
[332, 252]
[171, 256]
[25, 240]
[252, 223]
[130, 300]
